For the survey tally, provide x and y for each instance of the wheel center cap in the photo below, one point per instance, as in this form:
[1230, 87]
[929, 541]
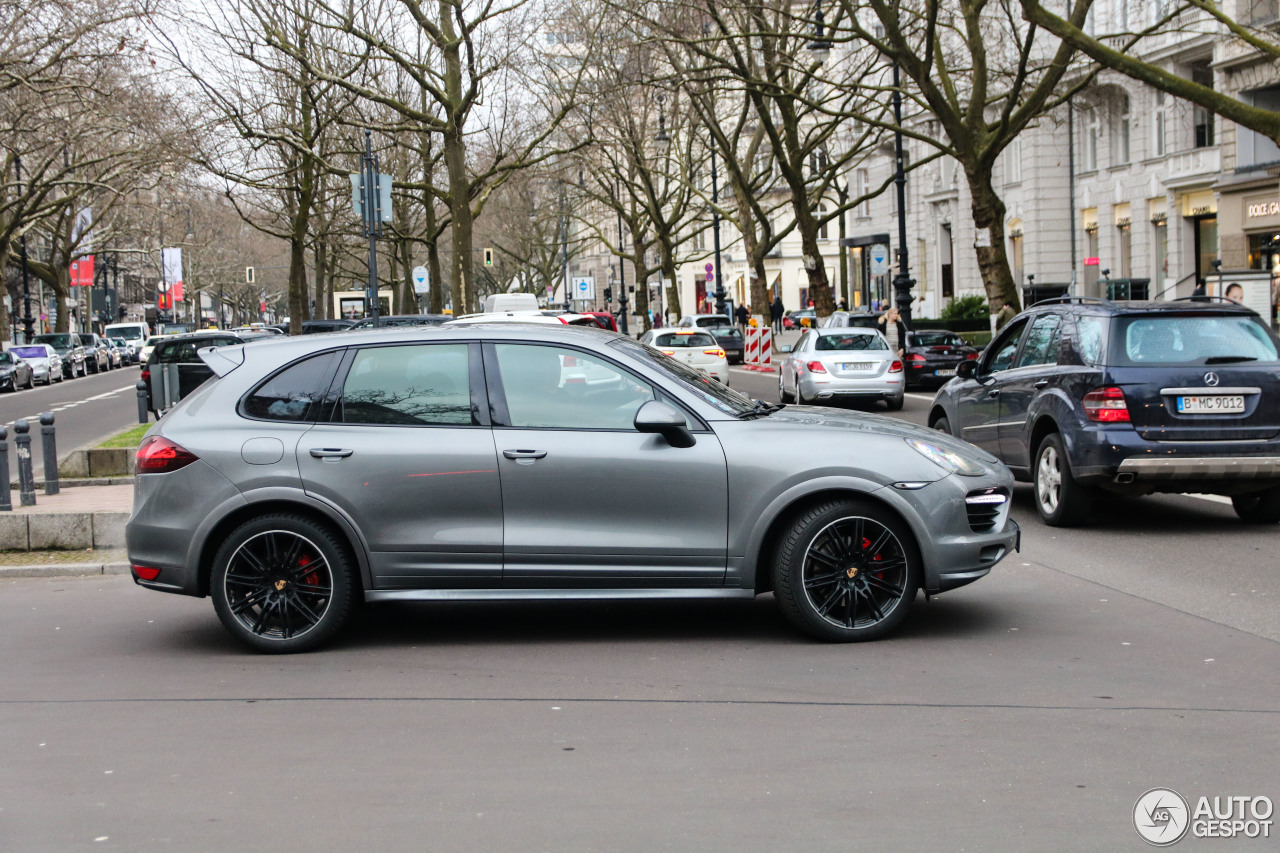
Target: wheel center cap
[851, 572]
[280, 585]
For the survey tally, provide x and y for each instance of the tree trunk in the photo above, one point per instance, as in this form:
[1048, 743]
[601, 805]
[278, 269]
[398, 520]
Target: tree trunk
[843, 192]
[993, 260]
[436, 279]
[455, 159]
[6, 327]
[408, 299]
[323, 308]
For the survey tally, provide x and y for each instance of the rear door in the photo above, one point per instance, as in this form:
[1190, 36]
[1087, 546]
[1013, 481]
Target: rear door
[1203, 376]
[407, 454]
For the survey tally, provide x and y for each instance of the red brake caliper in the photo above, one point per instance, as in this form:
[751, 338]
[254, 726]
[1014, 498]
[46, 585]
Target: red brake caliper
[312, 579]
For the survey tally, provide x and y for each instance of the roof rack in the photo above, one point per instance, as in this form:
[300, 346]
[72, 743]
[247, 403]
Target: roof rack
[1069, 299]
[1204, 299]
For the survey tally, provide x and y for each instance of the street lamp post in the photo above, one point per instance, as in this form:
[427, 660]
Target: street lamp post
[622, 269]
[28, 322]
[564, 249]
[902, 282]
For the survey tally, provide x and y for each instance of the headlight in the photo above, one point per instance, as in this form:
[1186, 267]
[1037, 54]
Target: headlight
[948, 460]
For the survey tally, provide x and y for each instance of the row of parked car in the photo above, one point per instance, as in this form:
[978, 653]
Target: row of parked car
[57, 356]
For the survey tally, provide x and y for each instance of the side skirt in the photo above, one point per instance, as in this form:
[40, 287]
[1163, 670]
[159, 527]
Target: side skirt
[550, 594]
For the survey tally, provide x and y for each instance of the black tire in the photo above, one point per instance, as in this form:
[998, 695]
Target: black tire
[894, 404]
[31, 380]
[1060, 500]
[1259, 507]
[272, 571]
[783, 396]
[825, 577]
[942, 425]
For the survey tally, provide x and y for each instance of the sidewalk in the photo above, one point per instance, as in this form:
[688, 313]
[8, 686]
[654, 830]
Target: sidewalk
[76, 519]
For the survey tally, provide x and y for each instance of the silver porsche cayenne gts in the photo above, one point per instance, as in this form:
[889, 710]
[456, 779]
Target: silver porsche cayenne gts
[535, 462]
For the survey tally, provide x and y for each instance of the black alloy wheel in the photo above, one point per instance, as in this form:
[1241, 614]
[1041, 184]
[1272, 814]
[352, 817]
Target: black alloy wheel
[1258, 507]
[282, 583]
[847, 571]
[942, 425]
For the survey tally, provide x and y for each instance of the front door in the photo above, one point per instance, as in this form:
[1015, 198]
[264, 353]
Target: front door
[978, 400]
[407, 455]
[587, 500]
[1035, 368]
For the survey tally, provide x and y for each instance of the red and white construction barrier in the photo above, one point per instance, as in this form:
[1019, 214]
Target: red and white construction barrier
[757, 352]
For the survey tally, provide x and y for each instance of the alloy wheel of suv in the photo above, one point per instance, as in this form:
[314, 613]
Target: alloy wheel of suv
[282, 583]
[1060, 500]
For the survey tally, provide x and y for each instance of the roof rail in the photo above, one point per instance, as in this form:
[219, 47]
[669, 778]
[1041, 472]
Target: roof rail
[1204, 299]
[1069, 299]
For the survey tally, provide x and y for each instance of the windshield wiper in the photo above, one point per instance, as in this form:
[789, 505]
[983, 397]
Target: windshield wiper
[1229, 359]
[760, 409]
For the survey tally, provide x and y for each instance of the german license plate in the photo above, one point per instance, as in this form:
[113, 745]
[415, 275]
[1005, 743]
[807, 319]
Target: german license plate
[1211, 404]
[857, 365]
[945, 371]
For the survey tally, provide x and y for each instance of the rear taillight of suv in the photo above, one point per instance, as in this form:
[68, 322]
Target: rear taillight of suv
[916, 359]
[159, 455]
[1106, 405]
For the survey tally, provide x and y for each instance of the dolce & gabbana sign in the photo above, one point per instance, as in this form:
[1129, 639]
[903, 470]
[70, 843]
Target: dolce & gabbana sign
[1265, 207]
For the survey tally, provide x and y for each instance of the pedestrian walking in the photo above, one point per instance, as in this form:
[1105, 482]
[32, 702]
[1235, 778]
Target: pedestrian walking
[742, 314]
[775, 314]
[1004, 315]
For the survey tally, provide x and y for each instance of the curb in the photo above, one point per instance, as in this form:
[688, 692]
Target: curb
[68, 570]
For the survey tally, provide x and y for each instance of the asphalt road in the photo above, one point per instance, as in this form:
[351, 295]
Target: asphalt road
[1028, 711]
[85, 410]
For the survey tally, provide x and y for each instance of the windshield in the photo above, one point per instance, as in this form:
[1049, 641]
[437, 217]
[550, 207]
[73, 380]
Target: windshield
[129, 333]
[718, 320]
[707, 389]
[850, 342]
[6, 358]
[30, 352]
[678, 341]
[938, 339]
[55, 341]
[1192, 339]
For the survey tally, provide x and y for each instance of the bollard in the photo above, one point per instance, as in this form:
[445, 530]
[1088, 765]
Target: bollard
[50, 442]
[6, 501]
[142, 401]
[26, 479]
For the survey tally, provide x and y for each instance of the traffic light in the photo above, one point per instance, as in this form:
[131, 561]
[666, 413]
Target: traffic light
[608, 294]
[124, 312]
[488, 257]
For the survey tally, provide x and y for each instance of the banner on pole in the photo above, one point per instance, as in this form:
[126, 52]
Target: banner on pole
[171, 264]
[82, 272]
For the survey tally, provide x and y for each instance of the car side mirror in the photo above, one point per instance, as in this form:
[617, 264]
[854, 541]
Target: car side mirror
[967, 369]
[783, 349]
[656, 416]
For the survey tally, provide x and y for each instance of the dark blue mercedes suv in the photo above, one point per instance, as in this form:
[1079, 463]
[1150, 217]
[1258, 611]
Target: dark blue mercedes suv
[1079, 395]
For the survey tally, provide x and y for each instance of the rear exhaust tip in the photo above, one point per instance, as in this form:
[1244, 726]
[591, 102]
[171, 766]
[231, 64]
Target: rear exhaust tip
[1125, 479]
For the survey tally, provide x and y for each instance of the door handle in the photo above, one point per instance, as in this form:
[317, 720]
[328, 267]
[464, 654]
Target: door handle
[524, 454]
[991, 395]
[1043, 383]
[330, 453]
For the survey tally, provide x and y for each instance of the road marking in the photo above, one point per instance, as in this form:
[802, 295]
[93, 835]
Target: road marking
[915, 396]
[35, 419]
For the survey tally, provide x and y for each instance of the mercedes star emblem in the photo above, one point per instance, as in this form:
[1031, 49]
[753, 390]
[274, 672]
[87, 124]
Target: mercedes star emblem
[1211, 378]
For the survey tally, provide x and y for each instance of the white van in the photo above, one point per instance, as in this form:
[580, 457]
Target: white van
[134, 333]
[510, 302]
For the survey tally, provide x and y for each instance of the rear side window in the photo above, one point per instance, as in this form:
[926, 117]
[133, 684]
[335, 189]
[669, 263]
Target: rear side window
[1041, 346]
[1191, 339]
[295, 393]
[1089, 339]
[425, 385]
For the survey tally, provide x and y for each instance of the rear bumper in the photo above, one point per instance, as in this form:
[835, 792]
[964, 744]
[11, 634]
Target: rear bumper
[1123, 459]
[833, 387]
[1204, 468]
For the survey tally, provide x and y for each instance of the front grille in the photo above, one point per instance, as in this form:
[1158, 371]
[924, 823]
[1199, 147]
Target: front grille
[985, 507]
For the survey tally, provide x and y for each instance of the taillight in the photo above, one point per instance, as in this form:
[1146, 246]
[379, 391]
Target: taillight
[146, 375]
[159, 455]
[717, 352]
[896, 367]
[973, 356]
[1106, 405]
[815, 367]
[916, 359]
[570, 361]
[668, 352]
[147, 573]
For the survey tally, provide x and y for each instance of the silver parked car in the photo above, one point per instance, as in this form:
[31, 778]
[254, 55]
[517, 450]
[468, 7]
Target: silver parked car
[46, 364]
[842, 363]
[531, 462]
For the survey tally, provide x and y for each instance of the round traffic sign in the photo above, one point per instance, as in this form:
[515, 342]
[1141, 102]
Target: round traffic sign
[710, 267]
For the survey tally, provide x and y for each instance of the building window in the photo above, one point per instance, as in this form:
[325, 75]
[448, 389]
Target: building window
[1089, 141]
[1202, 119]
[1122, 16]
[1120, 134]
[822, 222]
[1158, 133]
[1254, 149]
[1013, 162]
[1015, 255]
[864, 188]
[1262, 11]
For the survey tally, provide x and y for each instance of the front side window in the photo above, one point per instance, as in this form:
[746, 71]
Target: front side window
[1042, 342]
[557, 388]
[295, 393]
[426, 385]
[708, 390]
[1000, 356]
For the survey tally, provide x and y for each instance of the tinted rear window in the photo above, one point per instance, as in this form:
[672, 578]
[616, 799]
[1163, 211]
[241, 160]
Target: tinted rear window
[1191, 339]
[29, 352]
[677, 341]
[55, 341]
[850, 342]
[184, 352]
[293, 394]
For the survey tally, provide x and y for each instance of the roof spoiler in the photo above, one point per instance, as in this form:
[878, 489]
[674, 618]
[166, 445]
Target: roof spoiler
[222, 360]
